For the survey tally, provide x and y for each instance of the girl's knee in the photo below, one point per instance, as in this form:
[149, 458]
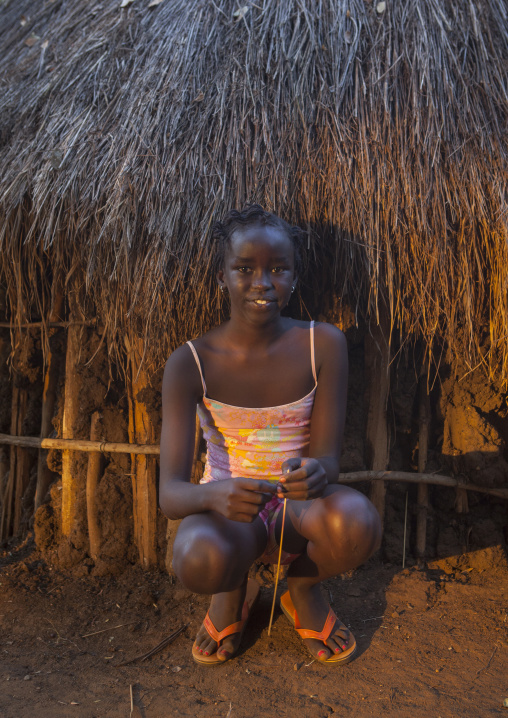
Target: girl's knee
[349, 520]
[202, 560]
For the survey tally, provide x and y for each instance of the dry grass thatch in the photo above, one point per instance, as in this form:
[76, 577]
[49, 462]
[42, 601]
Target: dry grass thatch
[125, 132]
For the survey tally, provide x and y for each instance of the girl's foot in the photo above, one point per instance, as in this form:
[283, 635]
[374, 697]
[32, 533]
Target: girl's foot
[225, 609]
[312, 611]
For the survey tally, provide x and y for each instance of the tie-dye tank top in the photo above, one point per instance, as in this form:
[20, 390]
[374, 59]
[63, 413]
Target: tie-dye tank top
[253, 442]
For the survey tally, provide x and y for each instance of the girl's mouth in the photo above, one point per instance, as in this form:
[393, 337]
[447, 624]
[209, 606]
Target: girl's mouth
[262, 302]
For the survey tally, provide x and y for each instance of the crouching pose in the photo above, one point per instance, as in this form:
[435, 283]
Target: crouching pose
[270, 393]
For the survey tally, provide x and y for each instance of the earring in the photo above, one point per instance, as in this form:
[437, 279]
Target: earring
[222, 288]
[292, 289]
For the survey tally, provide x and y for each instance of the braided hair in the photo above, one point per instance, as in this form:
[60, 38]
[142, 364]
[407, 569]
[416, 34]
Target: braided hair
[253, 214]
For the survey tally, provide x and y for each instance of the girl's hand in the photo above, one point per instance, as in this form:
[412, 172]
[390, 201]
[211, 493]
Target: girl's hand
[302, 479]
[239, 499]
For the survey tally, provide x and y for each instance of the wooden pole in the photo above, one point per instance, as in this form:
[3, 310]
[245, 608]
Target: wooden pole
[354, 477]
[144, 493]
[93, 475]
[50, 325]
[461, 501]
[4, 482]
[377, 363]
[71, 499]
[17, 481]
[20, 464]
[7, 509]
[423, 445]
[44, 474]
[107, 447]
[4, 452]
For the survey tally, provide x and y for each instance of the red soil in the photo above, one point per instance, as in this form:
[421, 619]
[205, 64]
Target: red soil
[432, 642]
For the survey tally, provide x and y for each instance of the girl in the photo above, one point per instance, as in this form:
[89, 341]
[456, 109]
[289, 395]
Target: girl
[270, 393]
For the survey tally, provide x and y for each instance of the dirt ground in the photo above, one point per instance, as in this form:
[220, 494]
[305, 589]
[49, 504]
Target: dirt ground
[432, 642]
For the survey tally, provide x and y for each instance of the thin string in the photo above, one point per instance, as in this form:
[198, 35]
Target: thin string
[278, 567]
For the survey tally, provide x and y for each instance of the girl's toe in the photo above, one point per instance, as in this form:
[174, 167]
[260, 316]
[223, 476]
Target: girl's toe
[226, 650]
[208, 647]
[335, 644]
[323, 654]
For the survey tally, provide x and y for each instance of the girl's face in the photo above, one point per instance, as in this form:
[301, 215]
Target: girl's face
[259, 272]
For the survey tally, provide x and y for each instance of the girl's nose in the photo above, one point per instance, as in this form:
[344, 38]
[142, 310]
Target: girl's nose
[261, 280]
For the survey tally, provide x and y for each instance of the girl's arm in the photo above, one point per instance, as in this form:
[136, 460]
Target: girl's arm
[308, 477]
[239, 499]
[180, 394]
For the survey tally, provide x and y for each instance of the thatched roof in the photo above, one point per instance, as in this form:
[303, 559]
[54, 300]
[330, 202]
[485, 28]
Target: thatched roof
[382, 127]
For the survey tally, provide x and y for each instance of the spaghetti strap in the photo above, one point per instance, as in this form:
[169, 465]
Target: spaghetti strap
[312, 354]
[194, 352]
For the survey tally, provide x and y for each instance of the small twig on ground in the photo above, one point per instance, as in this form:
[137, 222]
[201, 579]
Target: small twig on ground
[157, 648]
[230, 709]
[405, 532]
[111, 628]
[489, 662]
[132, 698]
[59, 636]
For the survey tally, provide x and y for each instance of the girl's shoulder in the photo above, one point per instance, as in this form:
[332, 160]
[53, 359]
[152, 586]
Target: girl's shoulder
[182, 369]
[329, 343]
[329, 332]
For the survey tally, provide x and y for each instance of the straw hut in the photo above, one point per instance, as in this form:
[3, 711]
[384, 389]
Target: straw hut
[127, 128]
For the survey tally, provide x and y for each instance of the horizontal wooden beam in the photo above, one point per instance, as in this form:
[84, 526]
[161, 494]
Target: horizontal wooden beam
[353, 477]
[79, 445]
[416, 478]
[50, 325]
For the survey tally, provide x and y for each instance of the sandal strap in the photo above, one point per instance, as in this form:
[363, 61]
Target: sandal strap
[219, 636]
[322, 635]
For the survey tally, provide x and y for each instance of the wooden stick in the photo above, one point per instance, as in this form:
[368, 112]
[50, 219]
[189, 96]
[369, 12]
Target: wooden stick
[51, 325]
[461, 502]
[377, 364]
[110, 628]
[73, 493]
[405, 533]
[423, 444]
[7, 510]
[278, 566]
[79, 445]
[22, 468]
[353, 477]
[157, 648]
[92, 479]
[144, 488]
[44, 473]
[415, 478]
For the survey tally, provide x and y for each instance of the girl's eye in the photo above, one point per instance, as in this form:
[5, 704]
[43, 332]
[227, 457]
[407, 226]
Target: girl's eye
[243, 270]
[278, 270]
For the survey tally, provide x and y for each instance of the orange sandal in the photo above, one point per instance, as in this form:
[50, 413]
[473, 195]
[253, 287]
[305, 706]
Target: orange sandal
[251, 597]
[289, 611]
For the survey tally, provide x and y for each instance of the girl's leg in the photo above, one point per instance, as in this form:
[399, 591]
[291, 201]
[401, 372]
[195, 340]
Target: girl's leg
[212, 555]
[334, 534]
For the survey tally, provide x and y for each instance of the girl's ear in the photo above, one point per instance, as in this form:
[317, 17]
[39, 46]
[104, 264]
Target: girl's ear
[220, 278]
